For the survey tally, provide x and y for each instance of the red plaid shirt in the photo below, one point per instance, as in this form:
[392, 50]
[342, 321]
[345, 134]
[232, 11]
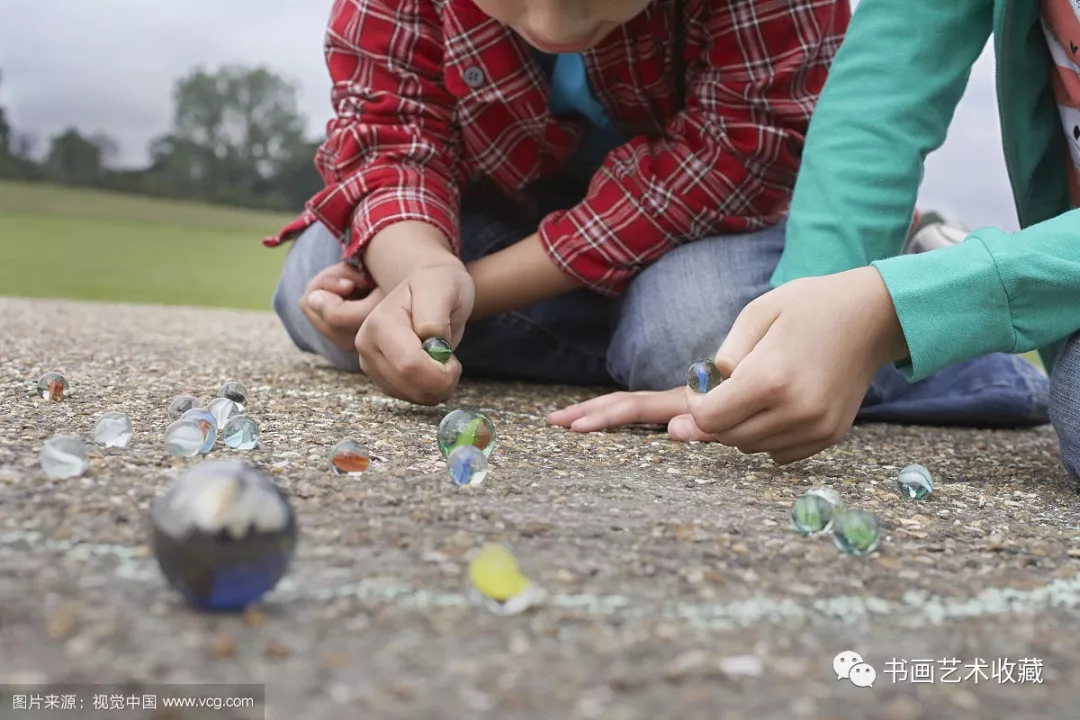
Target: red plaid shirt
[430, 94]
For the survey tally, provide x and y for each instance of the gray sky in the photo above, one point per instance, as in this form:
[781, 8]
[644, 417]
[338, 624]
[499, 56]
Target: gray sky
[110, 65]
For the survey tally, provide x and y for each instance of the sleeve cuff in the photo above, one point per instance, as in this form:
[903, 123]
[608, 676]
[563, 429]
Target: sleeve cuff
[952, 306]
[384, 208]
[585, 245]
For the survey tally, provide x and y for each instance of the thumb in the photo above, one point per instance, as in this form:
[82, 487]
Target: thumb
[432, 303]
[321, 300]
[683, 427]
[746, 332]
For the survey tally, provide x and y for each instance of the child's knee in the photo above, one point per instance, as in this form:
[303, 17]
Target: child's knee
[682, 307]
[1065, 403]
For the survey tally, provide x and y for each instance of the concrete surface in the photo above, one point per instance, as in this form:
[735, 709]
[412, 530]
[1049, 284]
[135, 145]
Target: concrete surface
[677, 588]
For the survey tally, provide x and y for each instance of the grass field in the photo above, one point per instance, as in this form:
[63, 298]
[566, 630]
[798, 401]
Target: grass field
[65, 243]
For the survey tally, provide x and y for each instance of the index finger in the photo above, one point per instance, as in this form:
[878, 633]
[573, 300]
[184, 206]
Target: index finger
[730, 403]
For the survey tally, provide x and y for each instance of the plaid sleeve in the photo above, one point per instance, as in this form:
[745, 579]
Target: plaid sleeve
[391, 150]
[729, 159]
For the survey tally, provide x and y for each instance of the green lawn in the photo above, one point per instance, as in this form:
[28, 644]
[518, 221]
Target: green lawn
[65, 243]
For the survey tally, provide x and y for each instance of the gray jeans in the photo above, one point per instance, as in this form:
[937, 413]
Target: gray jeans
[673, 312]
[1065, 403]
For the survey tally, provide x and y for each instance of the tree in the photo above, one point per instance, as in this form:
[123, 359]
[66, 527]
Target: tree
[233, 131]
[76, 160]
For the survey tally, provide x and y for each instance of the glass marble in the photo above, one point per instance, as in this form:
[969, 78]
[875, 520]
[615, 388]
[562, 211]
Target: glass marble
[180, 405]
[830, 495]
[349, 457]
[811, 515]
[223, 535]
[236, 392]
[497, 578]
[223, 409]
[53, 387]
[703, 376]
[184, 438]
[207, 424]
[856, 532]
[113, 430]
[439, 349]
[466, 427]
[914, 482]
[467, 465]
[240, 433]
[64, 456]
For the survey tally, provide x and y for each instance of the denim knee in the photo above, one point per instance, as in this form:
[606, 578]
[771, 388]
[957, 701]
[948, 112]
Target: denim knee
[681, 307]
[1065, 403]
[315, 250]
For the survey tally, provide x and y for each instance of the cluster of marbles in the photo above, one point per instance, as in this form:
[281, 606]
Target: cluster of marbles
[466, 439]
[66, 456]
[821, 510]
[195, 430]
[223, 534]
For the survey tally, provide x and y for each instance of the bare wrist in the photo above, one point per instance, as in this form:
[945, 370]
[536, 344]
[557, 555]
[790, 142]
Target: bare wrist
[404, 247]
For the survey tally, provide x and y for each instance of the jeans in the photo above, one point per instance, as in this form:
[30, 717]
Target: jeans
[674, 312]
[1065, 403]
[677, 310]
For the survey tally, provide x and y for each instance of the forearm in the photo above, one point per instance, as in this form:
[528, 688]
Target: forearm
[520, 275]
[403, 248]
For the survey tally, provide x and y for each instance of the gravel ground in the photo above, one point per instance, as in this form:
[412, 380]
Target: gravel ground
[676, 587]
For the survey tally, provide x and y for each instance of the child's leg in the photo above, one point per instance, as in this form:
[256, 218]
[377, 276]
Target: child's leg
[1065, 403]
[315, 250]
[681, 307]
[561, 340]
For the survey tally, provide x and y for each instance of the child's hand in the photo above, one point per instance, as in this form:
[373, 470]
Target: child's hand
[327, 306]
[434, 301]
[622, 408]
[799, 361]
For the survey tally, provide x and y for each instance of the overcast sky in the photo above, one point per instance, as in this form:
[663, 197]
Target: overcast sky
[110, 65]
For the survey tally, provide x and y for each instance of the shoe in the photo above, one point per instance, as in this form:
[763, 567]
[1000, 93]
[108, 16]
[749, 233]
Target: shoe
[932, 232]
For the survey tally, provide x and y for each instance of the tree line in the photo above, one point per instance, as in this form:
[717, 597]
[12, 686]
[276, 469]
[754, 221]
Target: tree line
[237, 138]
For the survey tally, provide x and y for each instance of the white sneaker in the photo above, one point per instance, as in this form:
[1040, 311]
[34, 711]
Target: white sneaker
[934, 235]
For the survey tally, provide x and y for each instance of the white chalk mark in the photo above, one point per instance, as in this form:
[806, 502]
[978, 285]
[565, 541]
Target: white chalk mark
[915, 609]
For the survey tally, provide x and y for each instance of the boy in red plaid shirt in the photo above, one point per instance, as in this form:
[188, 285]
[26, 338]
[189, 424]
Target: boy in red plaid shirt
[577, 191]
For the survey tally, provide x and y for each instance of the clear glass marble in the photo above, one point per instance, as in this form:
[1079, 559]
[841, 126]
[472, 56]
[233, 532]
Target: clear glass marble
[466, 427]
[113, 430]
[703, 376]
[439, 349]
[811, 515]
[184, 438]
[240, 433]
[467, 465]
[349, 457]
[915, 482]
[223, 409]
[856, 532]
[236, 392]
[180, 405]
[207, 424]
[64, 456]
[53, 386]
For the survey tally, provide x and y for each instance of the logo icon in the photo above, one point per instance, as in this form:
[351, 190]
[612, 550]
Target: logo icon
[843, 663]
[863, 675]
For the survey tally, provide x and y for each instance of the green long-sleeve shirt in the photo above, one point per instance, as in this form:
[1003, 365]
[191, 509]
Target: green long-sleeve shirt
[889, 100]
